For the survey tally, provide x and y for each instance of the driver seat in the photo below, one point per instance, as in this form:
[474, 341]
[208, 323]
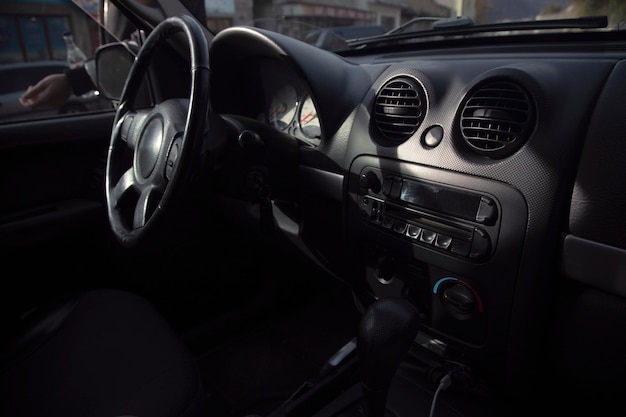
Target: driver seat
[101, 353]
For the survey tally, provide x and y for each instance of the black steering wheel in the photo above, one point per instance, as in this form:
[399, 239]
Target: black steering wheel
[155, 152]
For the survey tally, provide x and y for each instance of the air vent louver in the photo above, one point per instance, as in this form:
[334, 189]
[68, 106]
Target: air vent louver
[497, 118]
[399, 108]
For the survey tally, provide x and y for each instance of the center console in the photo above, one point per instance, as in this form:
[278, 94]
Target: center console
[448, 242]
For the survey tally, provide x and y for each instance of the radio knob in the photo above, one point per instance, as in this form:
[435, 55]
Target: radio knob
[369, 181]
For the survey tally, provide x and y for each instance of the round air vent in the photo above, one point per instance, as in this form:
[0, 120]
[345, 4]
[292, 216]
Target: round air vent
[497, 118]
[399, 108]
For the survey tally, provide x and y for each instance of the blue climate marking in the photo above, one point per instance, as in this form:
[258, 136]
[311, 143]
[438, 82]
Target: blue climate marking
[442, 280]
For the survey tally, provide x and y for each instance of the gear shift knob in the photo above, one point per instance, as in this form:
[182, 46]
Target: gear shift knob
[386, 332]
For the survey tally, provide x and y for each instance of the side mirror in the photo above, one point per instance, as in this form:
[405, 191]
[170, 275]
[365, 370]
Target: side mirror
[113, 63]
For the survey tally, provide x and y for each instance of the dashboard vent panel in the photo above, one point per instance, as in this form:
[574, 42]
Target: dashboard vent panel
[497, 118]
[399, 109]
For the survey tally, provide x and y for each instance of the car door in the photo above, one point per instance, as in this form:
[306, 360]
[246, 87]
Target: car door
[54, 233]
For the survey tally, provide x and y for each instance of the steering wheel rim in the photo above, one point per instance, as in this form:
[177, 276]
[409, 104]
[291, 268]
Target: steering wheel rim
[155, 153]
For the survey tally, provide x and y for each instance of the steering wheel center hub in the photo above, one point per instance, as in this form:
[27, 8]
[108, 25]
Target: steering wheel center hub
[149, 147]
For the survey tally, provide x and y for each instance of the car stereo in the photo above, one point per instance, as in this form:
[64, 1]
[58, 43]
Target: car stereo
[449, 219]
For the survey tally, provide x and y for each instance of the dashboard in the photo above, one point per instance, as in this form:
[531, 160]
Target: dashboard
[451, 177]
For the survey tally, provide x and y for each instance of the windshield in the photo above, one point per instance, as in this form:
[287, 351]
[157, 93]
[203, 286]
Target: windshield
[329, 24]
[33, 41]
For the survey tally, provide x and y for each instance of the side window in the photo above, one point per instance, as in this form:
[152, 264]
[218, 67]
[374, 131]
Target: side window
[34, 44]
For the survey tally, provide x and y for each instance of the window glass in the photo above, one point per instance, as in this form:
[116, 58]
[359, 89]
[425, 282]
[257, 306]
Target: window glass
[32, 46]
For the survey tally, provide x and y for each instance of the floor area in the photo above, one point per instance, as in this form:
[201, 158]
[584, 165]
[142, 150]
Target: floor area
[267, 350]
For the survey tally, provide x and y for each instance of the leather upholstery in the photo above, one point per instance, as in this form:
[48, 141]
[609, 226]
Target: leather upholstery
[103, 353]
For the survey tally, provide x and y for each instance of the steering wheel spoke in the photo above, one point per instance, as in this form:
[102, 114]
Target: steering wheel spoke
[122, 188]
[146, 206]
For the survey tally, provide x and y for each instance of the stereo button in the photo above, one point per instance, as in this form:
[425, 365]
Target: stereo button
[460, 247]
[399, 227]
[443, 242]
[387, 222]
[428, 236]
[413, 231]
[481, 244]
[387, 185]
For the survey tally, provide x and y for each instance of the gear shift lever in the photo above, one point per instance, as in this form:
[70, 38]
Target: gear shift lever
[385, 334]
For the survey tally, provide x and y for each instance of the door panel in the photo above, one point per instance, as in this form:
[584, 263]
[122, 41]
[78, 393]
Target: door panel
[54, 231]
[51, 169]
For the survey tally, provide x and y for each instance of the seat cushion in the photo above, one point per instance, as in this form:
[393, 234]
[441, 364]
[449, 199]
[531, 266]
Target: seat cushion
[103, 353]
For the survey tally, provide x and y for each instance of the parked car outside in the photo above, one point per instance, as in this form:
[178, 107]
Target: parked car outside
[334, 38]
[416, 24]
[17, 77]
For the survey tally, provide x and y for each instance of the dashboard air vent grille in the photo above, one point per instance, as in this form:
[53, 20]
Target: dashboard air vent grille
[497, 118]
[399, 108]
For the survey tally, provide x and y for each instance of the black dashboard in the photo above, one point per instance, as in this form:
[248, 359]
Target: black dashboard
[469, 180]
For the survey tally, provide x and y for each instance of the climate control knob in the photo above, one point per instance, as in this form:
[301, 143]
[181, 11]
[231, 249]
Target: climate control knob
[460, 301]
